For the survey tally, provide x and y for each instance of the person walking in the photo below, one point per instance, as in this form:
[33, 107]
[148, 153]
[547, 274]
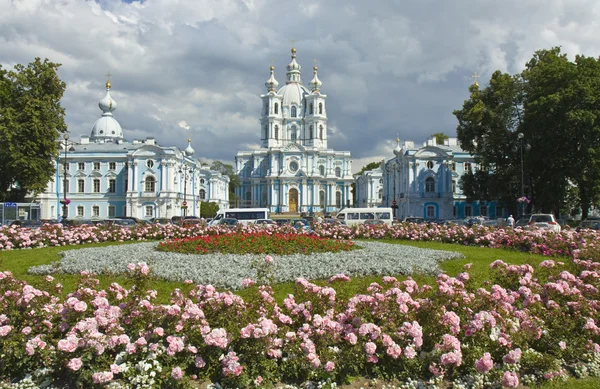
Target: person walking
[510, 221]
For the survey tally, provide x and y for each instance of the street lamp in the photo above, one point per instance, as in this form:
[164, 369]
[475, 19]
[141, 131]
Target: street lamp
[65, 187]
[184, 171]
[520, 139]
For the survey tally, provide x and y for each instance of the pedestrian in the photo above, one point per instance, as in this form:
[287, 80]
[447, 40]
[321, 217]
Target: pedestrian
[510, 221]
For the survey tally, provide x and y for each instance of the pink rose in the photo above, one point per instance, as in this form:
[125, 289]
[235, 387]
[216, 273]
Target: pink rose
[510, 379]
[177, 373]
[329, 366]
[269, 259]
[484, 364]
[75, 364]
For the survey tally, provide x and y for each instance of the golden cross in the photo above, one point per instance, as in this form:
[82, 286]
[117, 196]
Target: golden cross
[108, 75]
[293, 43]
[398, 137]
[475, 76]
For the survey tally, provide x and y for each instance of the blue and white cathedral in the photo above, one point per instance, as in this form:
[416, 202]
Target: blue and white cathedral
[104, 176]
[294, 170]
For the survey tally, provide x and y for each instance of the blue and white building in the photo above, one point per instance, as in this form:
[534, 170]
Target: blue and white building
[108, 176]
[369, 188]
[294, 170]
[424, 182]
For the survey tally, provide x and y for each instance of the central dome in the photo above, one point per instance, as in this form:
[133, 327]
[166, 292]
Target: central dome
[293, 93]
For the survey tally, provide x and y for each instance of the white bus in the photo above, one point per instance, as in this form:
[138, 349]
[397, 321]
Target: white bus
[243, 215]
[354, 216]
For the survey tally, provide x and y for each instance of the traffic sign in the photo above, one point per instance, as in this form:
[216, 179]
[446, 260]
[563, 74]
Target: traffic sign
[10, 204]
[394, 202]
[184, 203]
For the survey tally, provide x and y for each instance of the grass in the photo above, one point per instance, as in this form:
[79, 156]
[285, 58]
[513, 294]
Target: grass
[19, 261]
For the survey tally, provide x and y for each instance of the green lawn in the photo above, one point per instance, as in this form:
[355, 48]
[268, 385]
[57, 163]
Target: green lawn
[19, 261]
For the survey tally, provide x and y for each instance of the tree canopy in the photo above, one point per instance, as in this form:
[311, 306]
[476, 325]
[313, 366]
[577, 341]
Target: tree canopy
[31, 123]
[555, 104]
[234, 180]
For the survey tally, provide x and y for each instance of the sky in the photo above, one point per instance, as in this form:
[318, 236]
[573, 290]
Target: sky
[197, 68]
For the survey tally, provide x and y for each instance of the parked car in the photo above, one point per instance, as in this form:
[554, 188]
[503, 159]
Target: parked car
[590, 223]
[491, 223]
[127, 223]
[301, 225]
[229, 222]
[522, 223]
[33, 224]
[76, 222]
[417, 220]
[281, 222]
[545, 221]
[190, 222]
[373, 222]
[161, 220]
[265, 222]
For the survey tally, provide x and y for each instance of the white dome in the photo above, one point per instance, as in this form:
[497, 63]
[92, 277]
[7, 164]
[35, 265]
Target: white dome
[293, 93]
[107, 127]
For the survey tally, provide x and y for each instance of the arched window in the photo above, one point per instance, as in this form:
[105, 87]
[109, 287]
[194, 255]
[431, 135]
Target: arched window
[150, 184]
[266, 107]
[310, 134]
[338, 199]
[276, 132]
[276, 108]
[266, 131]
[467, 166]
[321, 132]
[430, 184]
[310, 108]
[338, 172]
[380, 193]
[322, 170]
[430, 164]
[248, 196]
[320, 108]
[322, 198]
[293, 134]
[293, 112]
[202, 194]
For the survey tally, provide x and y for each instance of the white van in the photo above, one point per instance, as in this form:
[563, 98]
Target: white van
[243, 215]
[354, 216]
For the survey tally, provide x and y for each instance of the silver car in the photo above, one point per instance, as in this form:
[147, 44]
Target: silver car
[545, 221]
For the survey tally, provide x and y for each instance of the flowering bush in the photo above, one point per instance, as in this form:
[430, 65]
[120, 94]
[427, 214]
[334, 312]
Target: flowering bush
[523, 200]
[535, 241]
[256, 243]
[528, 326]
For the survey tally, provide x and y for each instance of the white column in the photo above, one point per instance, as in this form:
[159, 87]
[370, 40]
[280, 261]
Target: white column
[129, 177]
[136, 172]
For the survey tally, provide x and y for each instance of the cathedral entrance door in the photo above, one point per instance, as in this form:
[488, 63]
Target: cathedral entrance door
[293, 200]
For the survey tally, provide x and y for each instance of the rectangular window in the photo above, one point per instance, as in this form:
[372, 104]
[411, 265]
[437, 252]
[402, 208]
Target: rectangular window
[453, 166]
[96, 185]
[112, 166]
[112, 185]
[126, 185]
[483, 210]
[366, 216]
[96, 211]
[455, 211]
[353, 216]
[468, 212]
[149, 211]
[453, 186]
[111, 211]
[66, 186]
[125, 210]
[80, 211]
[430, 211]
[96, 165]
[467, 166]
[81, 186]
[81, 165]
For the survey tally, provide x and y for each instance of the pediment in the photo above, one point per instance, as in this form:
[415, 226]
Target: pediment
[293, 147]
[96, 174]
[430, 152]
[80, 173]
[111, 174]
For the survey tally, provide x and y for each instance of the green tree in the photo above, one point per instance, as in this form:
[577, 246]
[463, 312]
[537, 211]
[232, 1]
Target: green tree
[488, 124]
[208, 210]
[440, 137]
[234, 179]
[31, 122]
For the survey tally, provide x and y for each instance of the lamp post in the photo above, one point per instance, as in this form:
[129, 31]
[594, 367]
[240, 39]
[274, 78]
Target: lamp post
[65, 188]
[520, 139]
[184, 171]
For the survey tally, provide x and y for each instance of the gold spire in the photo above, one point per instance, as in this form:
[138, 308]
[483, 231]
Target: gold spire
[189, 140]
[108, 76]
[475, 76]
[293, 47]
[272, 68]
[315, 68]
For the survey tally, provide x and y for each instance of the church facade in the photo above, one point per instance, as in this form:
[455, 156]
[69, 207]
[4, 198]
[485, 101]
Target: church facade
[294, 170]
[105, 176]
[424, 182]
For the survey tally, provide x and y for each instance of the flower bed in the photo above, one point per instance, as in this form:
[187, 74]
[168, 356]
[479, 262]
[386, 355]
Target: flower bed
[528, 326]
[566, 243]
[229, 270]
[259, 242]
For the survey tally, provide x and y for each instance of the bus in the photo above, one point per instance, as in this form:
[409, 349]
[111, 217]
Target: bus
[354, 216]
[243, 215]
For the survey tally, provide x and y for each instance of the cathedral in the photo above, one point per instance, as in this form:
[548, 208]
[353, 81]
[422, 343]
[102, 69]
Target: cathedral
[105, 176]
[294, 170]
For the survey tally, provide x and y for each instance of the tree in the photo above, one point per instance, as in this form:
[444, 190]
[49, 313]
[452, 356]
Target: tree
[487, 126]
[208, 210]
[234, 179]
[440, 137]
[31, 123]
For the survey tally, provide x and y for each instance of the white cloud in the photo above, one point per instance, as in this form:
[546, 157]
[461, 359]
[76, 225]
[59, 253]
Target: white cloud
[386, 67]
